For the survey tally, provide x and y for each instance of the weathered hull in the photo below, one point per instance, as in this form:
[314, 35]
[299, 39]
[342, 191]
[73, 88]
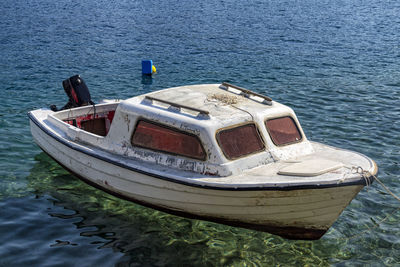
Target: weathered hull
[305, 213]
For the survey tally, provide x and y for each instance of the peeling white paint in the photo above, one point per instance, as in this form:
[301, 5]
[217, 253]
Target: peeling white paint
[180, 183]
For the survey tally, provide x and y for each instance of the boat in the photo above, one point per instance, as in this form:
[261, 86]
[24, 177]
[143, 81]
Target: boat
[215, 152]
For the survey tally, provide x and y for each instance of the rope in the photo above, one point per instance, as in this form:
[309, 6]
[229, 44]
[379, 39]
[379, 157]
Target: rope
[386, 188]
[367, 176]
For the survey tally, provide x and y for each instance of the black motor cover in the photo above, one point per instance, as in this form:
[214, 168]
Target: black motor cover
[77, 92]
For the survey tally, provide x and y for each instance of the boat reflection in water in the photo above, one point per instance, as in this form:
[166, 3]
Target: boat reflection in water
[148, 236]
[142, 234]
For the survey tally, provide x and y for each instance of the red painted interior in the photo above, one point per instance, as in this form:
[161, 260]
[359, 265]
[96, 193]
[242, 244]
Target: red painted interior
[108, 116]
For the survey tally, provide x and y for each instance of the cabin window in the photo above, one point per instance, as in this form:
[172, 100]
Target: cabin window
[283, 131]
[163, 138]
[240, 141]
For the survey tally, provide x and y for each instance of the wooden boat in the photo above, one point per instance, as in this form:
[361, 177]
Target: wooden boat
[214, 152]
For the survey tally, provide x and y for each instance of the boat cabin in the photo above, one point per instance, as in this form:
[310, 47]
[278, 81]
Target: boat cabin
[209, 129]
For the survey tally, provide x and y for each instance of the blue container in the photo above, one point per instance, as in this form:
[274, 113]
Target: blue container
[147, 67]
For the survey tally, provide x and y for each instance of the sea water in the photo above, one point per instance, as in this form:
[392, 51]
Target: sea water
[337, 63]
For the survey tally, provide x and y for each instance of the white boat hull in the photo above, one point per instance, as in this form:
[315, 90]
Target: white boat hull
[304, 213]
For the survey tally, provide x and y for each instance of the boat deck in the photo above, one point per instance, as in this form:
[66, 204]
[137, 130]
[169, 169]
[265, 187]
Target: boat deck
[262, 177]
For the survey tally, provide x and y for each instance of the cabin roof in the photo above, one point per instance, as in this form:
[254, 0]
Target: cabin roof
[212, 100]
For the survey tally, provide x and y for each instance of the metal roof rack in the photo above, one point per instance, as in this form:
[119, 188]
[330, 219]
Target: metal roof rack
[176, 105]
[245, 92]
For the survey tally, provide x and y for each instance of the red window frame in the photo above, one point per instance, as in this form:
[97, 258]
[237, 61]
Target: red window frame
[240, 141]
[283, 131]
[159, 137]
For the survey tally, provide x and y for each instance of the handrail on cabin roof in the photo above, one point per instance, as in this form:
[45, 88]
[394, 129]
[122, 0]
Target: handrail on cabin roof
[246, 92]
[173, 104]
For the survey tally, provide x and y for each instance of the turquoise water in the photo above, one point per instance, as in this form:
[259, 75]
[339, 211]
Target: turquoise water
[337, 63]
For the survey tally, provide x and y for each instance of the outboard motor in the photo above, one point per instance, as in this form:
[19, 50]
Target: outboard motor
[77, 92]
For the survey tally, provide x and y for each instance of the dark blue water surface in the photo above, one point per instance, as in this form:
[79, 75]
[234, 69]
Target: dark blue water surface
[337, 63]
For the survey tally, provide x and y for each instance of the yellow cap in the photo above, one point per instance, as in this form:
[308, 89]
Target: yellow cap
[154, 70]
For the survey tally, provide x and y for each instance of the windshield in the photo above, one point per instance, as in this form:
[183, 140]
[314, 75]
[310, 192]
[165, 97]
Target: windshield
[283, 131]
[240, 141]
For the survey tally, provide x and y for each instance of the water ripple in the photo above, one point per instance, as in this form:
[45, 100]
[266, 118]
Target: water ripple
[335, 63]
